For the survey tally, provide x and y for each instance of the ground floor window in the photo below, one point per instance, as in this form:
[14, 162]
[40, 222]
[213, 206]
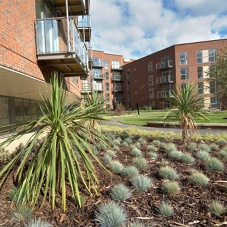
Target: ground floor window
[166, 104]
[4, 111]
[107, 106]
[214, 102]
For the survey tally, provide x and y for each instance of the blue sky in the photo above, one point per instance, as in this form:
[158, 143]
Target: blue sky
[135, 28]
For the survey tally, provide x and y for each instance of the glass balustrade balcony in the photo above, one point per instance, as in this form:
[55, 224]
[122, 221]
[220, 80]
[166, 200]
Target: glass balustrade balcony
[84, 25]
[98, 64]
[117, 67]
[163, 94]
[165, 79]
[98, 76]
[117, 78]
[164, 65]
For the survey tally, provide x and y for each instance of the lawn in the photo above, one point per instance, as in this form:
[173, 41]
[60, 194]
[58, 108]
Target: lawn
[214, 117]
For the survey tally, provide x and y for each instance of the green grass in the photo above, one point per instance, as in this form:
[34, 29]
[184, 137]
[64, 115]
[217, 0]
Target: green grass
[214, 117]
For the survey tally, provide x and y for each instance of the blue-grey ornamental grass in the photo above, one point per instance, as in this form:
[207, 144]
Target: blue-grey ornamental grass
[156, 142]
[192, 146]
[214, 164]
[170, 147]
[140, 163]
[165, 209]
[171, 188]
[199, 179]
[151, 148]
[116, 166]
[106, 158]
[214, 147]
[175, 155]
[168, 173]
[153, 155]
[222, 153]
[136, 153]
[141, 183]
[204, 147]
[130, 171]
[164, 163]
[217, 208]
[187, 158]
[203, 155]
[111, 153]
[120, 192]
[221, 141]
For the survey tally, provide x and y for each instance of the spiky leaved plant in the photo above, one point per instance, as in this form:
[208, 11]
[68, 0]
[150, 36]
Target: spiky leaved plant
[186, 103]
[54, 161]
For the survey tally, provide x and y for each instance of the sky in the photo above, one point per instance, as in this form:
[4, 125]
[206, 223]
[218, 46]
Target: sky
[136, 28]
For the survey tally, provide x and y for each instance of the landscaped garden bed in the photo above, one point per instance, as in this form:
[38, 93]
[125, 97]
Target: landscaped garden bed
[164, 171]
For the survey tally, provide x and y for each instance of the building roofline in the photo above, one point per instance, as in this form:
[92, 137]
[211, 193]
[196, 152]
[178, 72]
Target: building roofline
[109, 53]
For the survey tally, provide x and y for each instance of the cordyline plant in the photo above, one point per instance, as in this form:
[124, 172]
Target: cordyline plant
[54, 163]
[187, 106]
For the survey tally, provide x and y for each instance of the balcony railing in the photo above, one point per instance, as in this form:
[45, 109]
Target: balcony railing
[89, 87]
[98, 76]
[117, 67]
[117, 78]
[165, 79]
[164, 65]
[119, 99]
[118, 89]
[98, 64]
[84, 21]
[163, 94]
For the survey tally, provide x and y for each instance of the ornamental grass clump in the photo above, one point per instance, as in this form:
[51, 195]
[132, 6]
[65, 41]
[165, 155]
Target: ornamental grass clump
[140, 163]
[175, 155]
[23, 214]
[222, 153]
[116, 166]
[202, 155]
[153, 155]
[106, 158]
[170, 147]
[165, 209]
[136, 224]
[217, 208]
[142, 141]
[137, 145]
[131, 147]
[192, 146]
[198, 179]
[204, 147]
[130, 171]
[136, 153]
[136, 137]
[111, 214]
[124, 144]
[120, 192]
[214, 164]
[214, 147]
[168, 173]
[156, 142]
[111, 153]
[128, 141]
[221, 142]
[116, 148]
[141, 183]
[187, 158]
[39, 223]
[124, 135]
[162, 145]
[151, 148]
[16, 195]
[164, 163]
[116, 142]
[171, 188]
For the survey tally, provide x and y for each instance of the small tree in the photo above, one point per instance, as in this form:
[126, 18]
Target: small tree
[187, 106]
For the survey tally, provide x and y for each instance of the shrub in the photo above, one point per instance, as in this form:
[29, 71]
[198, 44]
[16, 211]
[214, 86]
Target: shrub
[124, 135]
[136, 152]
[217, 208]
[111, 153]
[124, 144]
[111, 135]
[111, 214]
[168, 173]
[131, 147]
[23, 214]
[137, 145]
[221, 141]
[116, 166]
[165, 209]
[222, 153]
[15, 196]
[140, 163]
[164, 163]
[192, 146]
[214, 164]
[39, 223]
[156, 142]
[136, 224]
[214, 147]
[100, 147]
[171, 188]
[170, 147]
[120, 192]
[106, 158]
[119, 138]
[130, 171]
[153, 155]
[162, 145]
[116, 148]
[141, 141]
[204, 147]
[151, 148]
[136, 137]
[141, 183]
[199, 179]
[116, 142]
[187, 158]
[175, 155]
[128, 141]
[203, 155]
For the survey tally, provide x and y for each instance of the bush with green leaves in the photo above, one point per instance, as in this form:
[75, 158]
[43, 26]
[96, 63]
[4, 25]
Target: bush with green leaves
[23, 214]
[222, 153]
[217, 208]
[39, 223]
[175, 155]
[168, 173]
[170, 147]
[136, 153]
[156, 143]
[137, 145]
[141, 183]
[131, 147]
[116, 148]
[136, 224]
[171, 188]
[214, 164]
[100, 146]
[203, 155]
[111, 214]
[198, 179]
[192, 146]
[187, 158]
[136, 137]
[111, 135]
[111, 153]
[124, 144]
[221, 141]
[142, 141]
[151, 148]
[116, 142]
[128, 141]
[162, 145]
[106, 158]
[130, 171]
[165, 209]
[153, 155]
[204, 147]
[140, 163]
[120, 192]
[214, 147]
[164, 163]
[124, 135]
[116, 166]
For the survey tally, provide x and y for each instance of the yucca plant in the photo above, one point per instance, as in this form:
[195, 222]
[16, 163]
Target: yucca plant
[187, 107]
[54, 161]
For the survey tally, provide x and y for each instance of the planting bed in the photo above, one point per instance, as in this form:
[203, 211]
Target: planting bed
[191, 206]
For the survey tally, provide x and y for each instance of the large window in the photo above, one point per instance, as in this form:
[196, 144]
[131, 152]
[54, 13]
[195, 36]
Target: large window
[151, 93]
[97, 61]
[150, 67]
[200, 72]
[127, 74]
[106, 64]
[107, 86]
[200, 88]
[213, 87]
[214, 102]
[184, 73]
[108, 97]
[206, 55]
[4, 111]
[150, 80]
[97, 72]
[166, 58]
[184, 58]
[115, 64]
[106, 75]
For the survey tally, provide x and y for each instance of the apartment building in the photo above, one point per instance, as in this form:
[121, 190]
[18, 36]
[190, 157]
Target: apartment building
[38, 37]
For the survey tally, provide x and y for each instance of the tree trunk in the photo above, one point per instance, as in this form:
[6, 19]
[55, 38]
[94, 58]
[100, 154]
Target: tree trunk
[184, 133]
[58, 168]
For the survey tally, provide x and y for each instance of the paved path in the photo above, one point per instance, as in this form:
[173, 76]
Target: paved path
[114, 122]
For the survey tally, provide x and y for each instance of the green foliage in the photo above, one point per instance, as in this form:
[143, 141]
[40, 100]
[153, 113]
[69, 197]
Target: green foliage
[120, 192]
[187, 158]
[171, 188]
[142, 141]
[192, 146]
[115, 166]
[39, 223]
[116, 142]
[164, 163]
[132, 147]
[156, 142]
[137, 145]
[16, 195]
[221, 142]
[175, 155]
[168, 173]
[199, 179]
[165, 209]
[214, 147]
[203, 155]
[124, 144]
[101, 146]
[222, 153]
[162, 145]
[128, 141]
[151, 148]
[214, 164]
[170, 147]
[111, 214]
[136, 224]
[140, 163]
[141, 183]
[111, 153]
[136, 153]
[106, 158]
[124, 135]
[153, 155]
[217, 208]
[130, 171]
[116, 148]
[23, 214]
[82, 201]
[137, 136]
[204, 147]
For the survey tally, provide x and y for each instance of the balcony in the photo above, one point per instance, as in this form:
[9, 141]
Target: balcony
[119, 99]
[165, 79]
[89, 87]
[117, 67]
[117, 78]
[163, 94]
[118, 89]
[98, 76]
[164, 65]
[98, 64]
[84, 25]
[59, 44]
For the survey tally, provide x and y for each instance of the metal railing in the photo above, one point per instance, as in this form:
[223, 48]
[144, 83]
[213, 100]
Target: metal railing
[119, 99]
[165, 79]
[98, 76]
[84, 21]
[98, 64]
[163, 94]
[164, 65]
[117, 77]
[117, 67]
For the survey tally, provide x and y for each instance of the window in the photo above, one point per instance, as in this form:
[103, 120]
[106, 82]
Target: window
[128, 85]
[107, 86]
[4, 110]
[212, 55]
[200, 88]
[151, 104]
[128, 95]
[150, 80]
[108, 97]
[183, 58]
[151, 93]
[184, 86]
[200, 72]
[150, 67]
[75, 80]
[127, 74]
[213, 87]
[199, 56]
[206, 55]
[115, 64]
[97, 73]
[107, 75]
[166, 58]
[106, 64]
[97, 61]
[214, 102]
[184, 73]
[107, 106]
[98, 85]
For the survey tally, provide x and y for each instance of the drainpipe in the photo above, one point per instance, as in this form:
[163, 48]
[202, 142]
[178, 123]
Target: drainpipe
[67, 21]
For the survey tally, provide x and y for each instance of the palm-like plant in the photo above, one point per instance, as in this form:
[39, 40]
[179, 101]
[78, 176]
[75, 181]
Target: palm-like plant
[186, 103]
[55, 162]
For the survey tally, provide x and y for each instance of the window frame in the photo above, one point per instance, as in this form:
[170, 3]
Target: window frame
[184, 58]
[186, 73]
